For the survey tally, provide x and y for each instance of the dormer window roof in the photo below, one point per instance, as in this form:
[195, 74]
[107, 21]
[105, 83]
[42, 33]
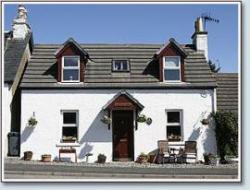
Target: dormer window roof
[71, 42]
[71, 62]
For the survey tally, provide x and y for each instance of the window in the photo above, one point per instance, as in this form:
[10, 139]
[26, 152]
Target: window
[70, 126]
[171, 68]
[70, 68]
[174, 123]
[120, 66]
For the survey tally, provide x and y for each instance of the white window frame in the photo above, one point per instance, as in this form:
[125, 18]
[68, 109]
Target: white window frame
[70, 125]
[175, 124]
[69, 68]
[113, 65]
[171, 68]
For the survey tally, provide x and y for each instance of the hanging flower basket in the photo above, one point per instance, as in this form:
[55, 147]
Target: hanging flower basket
[32, 122]
[106, 120]
[149, 121]
[205, 121]
[141, 118]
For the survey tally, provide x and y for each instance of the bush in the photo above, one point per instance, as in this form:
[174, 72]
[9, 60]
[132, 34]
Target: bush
[226, 133]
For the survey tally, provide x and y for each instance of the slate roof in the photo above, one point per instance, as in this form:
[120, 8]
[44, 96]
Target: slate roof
[14, 49]
[41, 71]
[227, 92]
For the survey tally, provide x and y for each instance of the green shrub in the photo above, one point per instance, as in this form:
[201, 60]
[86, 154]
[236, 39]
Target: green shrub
[226, 133]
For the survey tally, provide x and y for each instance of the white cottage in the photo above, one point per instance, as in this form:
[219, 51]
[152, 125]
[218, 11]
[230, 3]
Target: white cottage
[92, 97]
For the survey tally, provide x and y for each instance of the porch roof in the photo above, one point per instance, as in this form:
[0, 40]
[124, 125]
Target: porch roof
[129, 96]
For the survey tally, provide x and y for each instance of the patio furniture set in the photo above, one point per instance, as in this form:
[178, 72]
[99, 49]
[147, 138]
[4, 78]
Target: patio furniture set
[167, 154]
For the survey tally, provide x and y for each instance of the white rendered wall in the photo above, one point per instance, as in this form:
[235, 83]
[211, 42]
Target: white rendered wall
[6, 120]
[201, 42]
[95, 137]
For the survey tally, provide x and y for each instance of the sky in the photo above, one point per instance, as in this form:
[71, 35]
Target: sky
[134, 23]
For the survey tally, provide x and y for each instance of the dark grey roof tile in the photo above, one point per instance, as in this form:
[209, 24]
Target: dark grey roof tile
[144, 69]
[227, 92]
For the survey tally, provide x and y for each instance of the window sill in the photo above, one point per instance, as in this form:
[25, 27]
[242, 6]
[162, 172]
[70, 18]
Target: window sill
[176, 143]
[70, 83]
[174, 82]
[68, 144]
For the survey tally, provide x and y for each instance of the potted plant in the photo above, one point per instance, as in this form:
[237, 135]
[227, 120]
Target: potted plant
[205, 121]
[28, 155]
[149, 121]
[69, 139]
[207, 158]
[46, 158]
[142, 158]
[32, 121]
[141, 118]
[101, 158]
[152, 158]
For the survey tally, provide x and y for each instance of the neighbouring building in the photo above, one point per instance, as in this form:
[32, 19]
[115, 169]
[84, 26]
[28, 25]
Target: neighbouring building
[92, 96]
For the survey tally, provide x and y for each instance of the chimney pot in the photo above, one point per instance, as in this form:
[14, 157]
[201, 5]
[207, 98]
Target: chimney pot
[199, 37]
[20, 26]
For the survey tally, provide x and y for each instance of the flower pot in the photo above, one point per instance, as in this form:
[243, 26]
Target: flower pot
[207, 159]
[28, 155]
[151, 158]
[101, 159]
[46, 158]
[142, 159]
[205, 121]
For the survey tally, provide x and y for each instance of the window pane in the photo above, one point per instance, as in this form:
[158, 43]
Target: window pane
[120, 65]
[171, 74]
[69, 118]
[71, 61]
[69, 132]
[124, 66]
[70, 74]
[172, 62]
[174, 133]
[173, 117]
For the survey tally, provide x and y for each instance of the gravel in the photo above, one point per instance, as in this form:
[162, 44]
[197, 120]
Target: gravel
[121, 164]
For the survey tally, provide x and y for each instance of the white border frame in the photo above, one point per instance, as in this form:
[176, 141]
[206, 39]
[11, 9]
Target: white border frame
[139, 180]
[69, 68]
[62, 111]
[175, 124]
[171, 68]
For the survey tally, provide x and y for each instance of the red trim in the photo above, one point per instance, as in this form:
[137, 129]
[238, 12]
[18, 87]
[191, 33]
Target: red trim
[59, 69]
[70, 50]
[122, 103]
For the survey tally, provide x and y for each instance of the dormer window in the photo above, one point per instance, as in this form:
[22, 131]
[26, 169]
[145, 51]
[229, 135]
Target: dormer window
[171, 69]
[70, 69]
[120, 65]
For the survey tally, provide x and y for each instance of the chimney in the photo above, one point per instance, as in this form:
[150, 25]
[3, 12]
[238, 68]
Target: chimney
[200, 37]
[20, 26]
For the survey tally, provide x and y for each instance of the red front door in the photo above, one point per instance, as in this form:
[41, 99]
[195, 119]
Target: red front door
[123, 143]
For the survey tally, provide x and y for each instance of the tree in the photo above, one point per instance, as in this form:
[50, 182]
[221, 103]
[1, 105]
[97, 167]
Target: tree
[213, 67]
[226, 133]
